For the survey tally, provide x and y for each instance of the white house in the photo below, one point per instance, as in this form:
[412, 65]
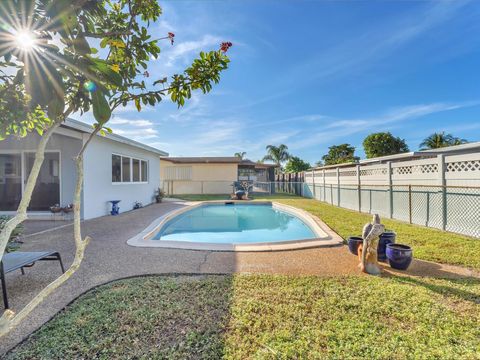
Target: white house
[115, 168]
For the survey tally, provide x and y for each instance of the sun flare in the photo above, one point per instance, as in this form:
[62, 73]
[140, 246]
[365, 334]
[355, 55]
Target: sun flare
[25, 40]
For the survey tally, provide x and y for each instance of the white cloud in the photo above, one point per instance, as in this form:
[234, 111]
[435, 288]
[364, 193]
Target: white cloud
[137, 134]
[342, 128]
[130, 122]
[183, 52]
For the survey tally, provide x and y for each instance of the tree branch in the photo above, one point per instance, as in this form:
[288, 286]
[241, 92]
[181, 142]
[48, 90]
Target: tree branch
[107, 34]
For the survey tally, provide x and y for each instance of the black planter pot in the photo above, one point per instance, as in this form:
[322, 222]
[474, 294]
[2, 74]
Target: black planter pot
[385, 239]
[399, 256]
[353, 243]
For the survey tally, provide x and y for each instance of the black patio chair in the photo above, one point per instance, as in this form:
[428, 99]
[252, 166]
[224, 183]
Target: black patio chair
[20, 260]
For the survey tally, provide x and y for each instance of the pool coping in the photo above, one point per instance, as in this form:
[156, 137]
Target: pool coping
[326, 237]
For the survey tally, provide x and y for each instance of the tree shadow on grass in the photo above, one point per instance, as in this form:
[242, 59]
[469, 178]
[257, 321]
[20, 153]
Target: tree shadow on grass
[422, 272]
[421, 268]
[173, 316]
[446, 290]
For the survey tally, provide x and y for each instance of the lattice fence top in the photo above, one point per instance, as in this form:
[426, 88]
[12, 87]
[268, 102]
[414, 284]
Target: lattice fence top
[348, 173]
[459, 166]
[458, 170]
[415, 169]
[373, 172]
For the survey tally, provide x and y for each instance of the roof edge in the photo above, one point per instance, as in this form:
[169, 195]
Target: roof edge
[86, 128]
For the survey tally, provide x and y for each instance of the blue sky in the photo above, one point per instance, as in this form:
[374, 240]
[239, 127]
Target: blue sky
[311, 74]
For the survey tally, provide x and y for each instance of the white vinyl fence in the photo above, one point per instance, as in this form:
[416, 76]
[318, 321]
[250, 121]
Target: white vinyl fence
[441, 192]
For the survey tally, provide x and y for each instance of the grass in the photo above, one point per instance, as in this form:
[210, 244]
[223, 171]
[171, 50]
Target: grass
[428, 244]
[266, 317]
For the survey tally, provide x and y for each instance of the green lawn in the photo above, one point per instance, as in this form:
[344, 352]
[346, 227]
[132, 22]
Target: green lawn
[266, 317]
[428, 244]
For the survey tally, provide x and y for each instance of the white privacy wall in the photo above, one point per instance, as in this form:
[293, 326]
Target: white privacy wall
[98, 186]
[441, 192]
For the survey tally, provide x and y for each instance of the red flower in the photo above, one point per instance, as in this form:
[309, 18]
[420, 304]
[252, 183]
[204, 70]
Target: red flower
[171, 36]
[224, 46]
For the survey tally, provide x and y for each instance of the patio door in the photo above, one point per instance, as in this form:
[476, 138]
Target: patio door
[47, 188]
[10, 181]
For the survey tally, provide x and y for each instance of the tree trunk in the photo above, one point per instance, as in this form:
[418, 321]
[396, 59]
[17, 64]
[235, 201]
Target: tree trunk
[9, 319]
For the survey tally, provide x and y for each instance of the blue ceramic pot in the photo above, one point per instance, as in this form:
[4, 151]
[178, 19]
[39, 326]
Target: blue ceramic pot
[385, 239]
[353, 243]
[399, 256]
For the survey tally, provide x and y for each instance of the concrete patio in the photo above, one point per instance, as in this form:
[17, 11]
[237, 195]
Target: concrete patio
[108, 257]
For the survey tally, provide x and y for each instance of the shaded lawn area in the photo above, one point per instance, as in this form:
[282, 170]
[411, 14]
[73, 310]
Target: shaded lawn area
[266, 317]
[428, 244]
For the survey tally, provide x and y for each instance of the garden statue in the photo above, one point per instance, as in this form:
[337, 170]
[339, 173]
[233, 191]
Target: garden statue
[240, 190]
[367, 252]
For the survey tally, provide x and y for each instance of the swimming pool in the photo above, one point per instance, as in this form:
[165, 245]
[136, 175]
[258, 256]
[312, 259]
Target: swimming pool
[235, 226]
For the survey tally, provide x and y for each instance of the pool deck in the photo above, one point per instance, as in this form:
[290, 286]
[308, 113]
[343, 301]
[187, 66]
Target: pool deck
[108, 257]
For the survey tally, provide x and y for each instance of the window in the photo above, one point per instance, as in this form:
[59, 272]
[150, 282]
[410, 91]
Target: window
[116, 168]
[129, 170]
[144, 170]
[136, 170]
[126, 169]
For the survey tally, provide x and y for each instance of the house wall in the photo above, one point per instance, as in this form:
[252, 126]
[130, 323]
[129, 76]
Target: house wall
[197, 178]
[68, 147]
[98, 186]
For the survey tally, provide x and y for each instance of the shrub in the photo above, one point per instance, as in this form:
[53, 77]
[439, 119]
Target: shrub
[13, 242]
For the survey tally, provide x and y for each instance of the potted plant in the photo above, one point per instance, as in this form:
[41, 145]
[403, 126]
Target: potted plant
[159, 195]
[353, 244]
[55, 208]
[14, 241]
[388, 237]
[68, 209]
[399, 256]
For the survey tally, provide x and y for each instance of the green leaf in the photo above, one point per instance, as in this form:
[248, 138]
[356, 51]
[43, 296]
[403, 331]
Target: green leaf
[81, 45]
[137, 104]
[110, 75]
[55, 107]
[19, 78]
[101, 109]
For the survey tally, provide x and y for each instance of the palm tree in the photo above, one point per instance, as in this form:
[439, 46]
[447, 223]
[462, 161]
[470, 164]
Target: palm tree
[439, 140]
[277, 154]
[240, 155]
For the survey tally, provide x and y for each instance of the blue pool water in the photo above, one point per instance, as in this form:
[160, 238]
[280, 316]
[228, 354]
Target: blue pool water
[235, 224]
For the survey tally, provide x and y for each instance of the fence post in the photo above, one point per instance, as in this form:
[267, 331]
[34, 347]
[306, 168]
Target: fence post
[359, 189]
[331, 194]
[338, 186]
[324, 187]
[443, 183]
[302, 184]
[410, 203]
[313, 184]
[390, 189]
